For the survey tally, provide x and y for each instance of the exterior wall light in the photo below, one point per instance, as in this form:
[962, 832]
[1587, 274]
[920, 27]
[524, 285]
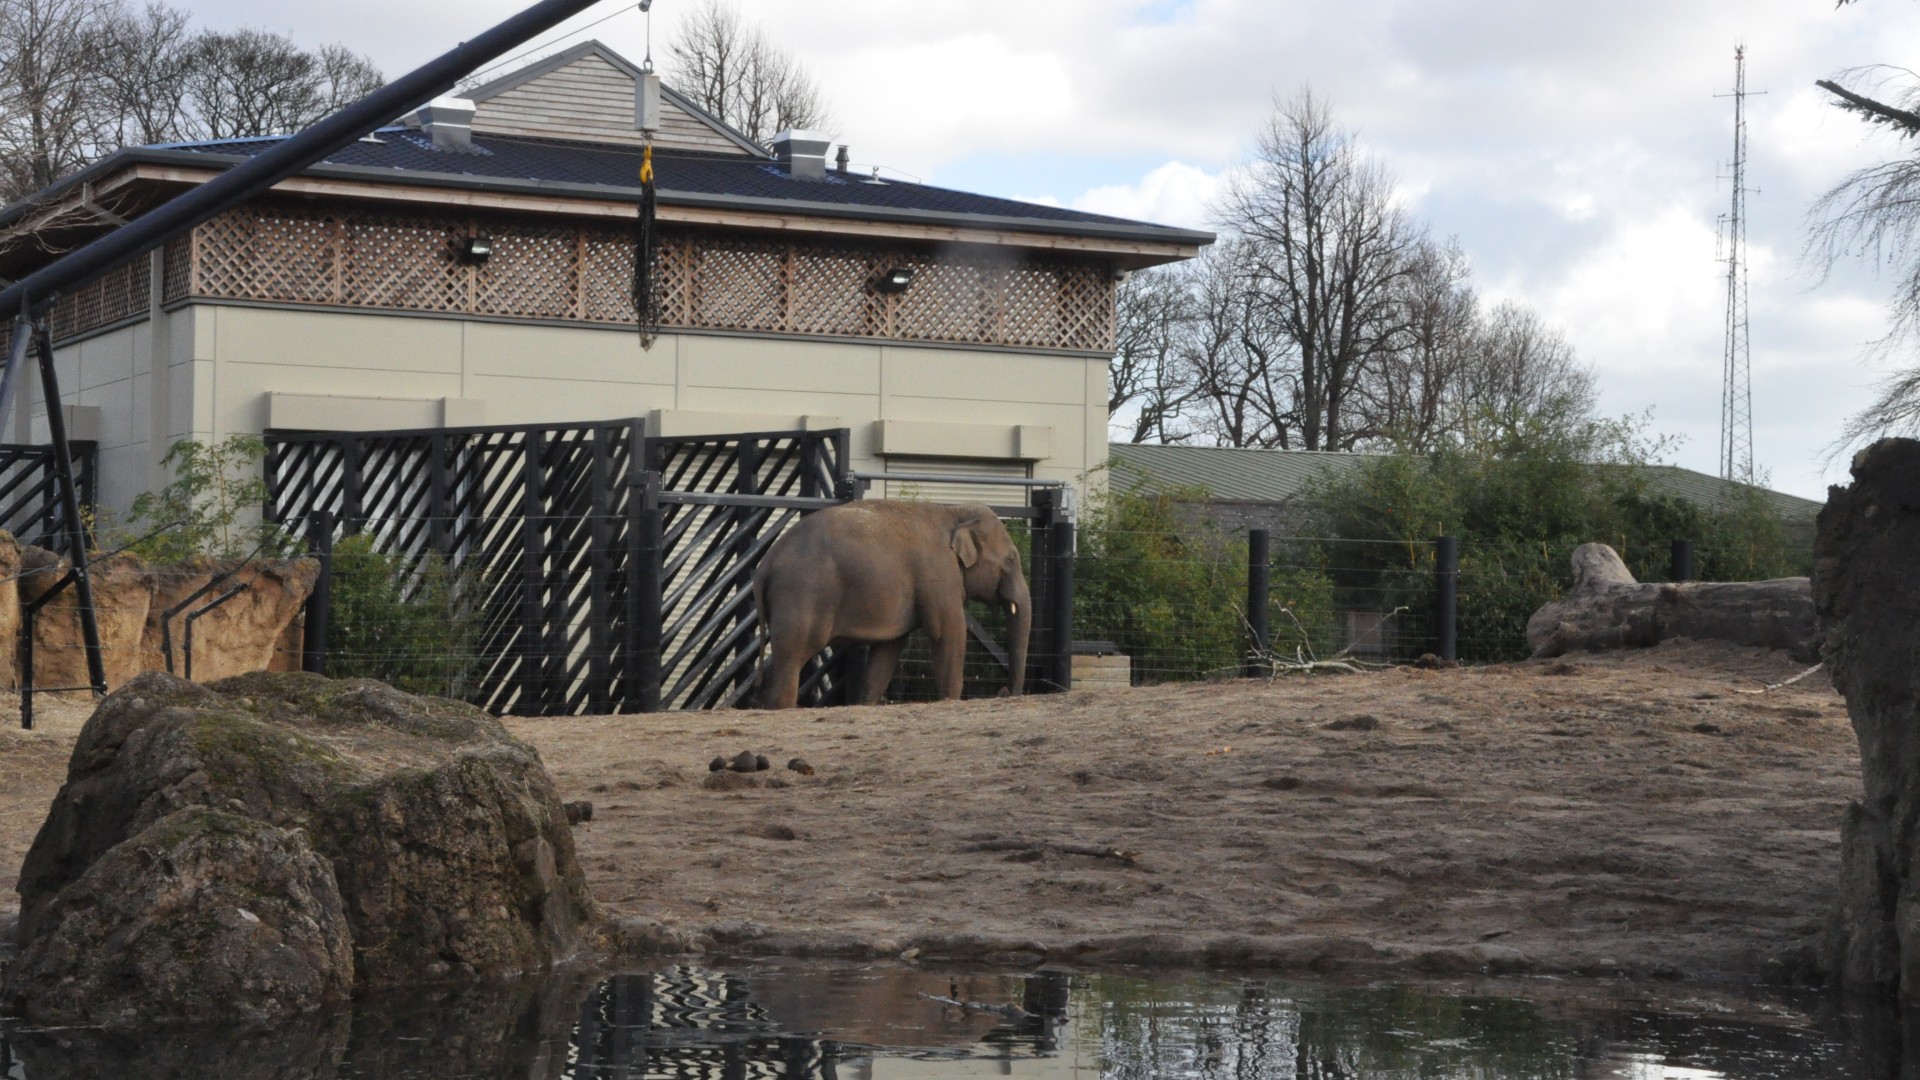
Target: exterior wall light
[474, 250]
[895, 280]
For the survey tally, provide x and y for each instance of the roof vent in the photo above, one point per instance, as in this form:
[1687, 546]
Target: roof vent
[803, 152]
[449, 120]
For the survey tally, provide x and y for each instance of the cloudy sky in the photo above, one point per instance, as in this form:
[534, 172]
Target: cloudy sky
[1576, 149]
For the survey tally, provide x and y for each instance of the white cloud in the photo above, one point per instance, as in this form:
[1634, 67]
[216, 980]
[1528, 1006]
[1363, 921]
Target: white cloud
[1172, 194]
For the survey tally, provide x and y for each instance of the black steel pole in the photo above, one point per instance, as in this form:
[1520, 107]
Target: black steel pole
[313, 639]
[15, 371]
[1060, 594]
[647, 617]
[258, 173]
[1259, 585]
[1446, 589]
[1681, 567]
[70, 507]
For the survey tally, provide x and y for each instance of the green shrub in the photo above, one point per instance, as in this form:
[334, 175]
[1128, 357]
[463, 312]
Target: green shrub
[211, 507]
[1169, 592]
[413, 623]
[1519, 511]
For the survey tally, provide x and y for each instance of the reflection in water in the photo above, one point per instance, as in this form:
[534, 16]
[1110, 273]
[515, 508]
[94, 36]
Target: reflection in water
[884, 1023]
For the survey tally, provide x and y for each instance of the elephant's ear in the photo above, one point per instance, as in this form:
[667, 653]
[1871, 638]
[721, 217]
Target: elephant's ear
[965, 545]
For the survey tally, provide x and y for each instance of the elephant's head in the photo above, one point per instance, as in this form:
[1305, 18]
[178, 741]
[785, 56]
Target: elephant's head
[990, 564]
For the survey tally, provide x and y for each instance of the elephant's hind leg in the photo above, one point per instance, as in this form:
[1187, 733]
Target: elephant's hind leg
[789, 649]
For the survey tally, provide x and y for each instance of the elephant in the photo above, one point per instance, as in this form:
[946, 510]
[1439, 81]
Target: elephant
[871, 573]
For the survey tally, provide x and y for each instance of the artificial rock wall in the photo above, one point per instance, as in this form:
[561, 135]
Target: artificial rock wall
[1866, 587]
[258, 629]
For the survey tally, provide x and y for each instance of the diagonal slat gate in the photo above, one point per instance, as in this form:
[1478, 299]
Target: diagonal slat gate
[29, 490]
[602, 592]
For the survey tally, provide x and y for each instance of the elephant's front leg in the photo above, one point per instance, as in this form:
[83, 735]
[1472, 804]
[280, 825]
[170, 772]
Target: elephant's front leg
[881, 658]
[949, 640]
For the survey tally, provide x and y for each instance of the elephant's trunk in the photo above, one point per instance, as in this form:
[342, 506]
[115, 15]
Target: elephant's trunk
[1019, 629]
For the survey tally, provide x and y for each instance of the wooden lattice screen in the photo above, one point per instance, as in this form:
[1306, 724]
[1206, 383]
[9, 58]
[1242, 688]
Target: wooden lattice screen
[344, 256]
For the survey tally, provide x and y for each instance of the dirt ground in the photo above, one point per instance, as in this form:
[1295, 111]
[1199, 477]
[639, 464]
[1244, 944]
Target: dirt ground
[1635, 814]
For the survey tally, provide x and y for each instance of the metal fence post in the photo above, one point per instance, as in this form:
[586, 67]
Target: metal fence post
[1680, 564]
[313, 638]
[1259, 586]
[1446, 586]
[644, 616]
[1060, 590]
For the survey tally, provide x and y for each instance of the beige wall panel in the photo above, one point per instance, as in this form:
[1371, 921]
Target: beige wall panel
[107, 358]
[115, 401]
[1068, 421]
[336, 340]
[180, 389]
[854, 408]
[1096, 435]
[140, 418]
[244, 387]
[123, 475]
[203, 388]
[820, 367]
[203, 324]
[550, 400]
[567, 352]
[984, 375]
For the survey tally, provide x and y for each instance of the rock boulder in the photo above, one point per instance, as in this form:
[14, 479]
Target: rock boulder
[437, 836]
[1866, 577]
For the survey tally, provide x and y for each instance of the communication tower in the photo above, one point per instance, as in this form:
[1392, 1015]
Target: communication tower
[1736, 395]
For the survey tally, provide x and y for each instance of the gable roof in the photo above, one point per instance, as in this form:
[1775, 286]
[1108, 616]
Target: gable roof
[587, 92]
[583, 158]
[1230, 474]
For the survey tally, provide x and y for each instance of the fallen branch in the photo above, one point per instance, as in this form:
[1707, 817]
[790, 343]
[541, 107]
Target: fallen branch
[1785, 682]
[1011, 1012]
[1095, 851]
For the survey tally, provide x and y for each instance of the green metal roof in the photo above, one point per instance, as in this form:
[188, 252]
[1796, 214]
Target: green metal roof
[1228, 474]
[1278, 476]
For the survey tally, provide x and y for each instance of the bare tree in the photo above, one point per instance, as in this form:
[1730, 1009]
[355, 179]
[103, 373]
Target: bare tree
[81, 78]
[1520, 377]
[1327, 248]
[1148, 375]
[1413, 395]
[49, 125]
[1243, 364]
[143, 63]
[1874, 213]
[732, 70]
[252, 82]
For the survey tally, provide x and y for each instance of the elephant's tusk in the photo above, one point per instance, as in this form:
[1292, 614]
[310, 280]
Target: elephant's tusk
[1013, 608]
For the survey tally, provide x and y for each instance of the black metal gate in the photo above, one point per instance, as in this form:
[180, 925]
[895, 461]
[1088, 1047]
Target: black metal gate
[30, 490]
[615, 567]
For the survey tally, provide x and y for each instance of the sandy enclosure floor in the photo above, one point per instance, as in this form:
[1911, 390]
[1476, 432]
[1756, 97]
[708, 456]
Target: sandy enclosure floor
[1630, 814]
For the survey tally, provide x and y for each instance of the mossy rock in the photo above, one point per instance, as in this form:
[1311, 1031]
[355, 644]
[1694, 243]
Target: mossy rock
[443, 834]
[204, 912]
